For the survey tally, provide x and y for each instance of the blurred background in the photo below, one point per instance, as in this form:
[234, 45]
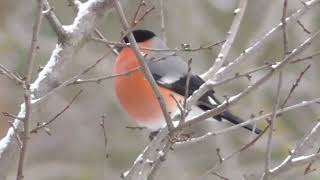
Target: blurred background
[75, 149]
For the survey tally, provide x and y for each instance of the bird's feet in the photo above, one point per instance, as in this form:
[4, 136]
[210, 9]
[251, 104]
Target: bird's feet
[153, 134]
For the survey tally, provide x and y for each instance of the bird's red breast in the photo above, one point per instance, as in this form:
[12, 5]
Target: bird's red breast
[135, 93]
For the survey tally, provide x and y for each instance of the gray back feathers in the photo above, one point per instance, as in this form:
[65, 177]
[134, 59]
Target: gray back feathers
[169, 69]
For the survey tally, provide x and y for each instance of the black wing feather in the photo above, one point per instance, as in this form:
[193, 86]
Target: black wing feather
[204, 103]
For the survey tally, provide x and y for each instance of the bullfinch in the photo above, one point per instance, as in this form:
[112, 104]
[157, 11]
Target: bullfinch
[137, 96]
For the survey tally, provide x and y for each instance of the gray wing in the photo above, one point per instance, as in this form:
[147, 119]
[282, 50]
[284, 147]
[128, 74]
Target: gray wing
[171, 72]
[169, 69]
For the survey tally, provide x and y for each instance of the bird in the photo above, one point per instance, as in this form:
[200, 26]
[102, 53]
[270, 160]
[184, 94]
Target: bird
[170, 72]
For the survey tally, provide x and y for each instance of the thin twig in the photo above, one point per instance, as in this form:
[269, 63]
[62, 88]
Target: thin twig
[264, 67]
[128, 73]
[27, 92]
[10, 74]
[186, 95]
[219, 176]
[101, 36]
[270, 135]
[317, 53]
[53, 72]
[12, 116]
[295, 85]
[54, 22]
[103, 127]
[177, 49]
[309, 168]
[76, 77]
[152, 151]
[296, 158]
[308, 142]
[303, 27]
[237, 152]
[141, 4]
[218, 150]
[100, 79]
[16, 134]
[45, 124]
[135, 19]
[261, 42]
[277, 101]
[144, 15]
[284, 27]
[144, 66]
[163, 27]
[255, 119]
[135, 127]
[183, 106]
[211, 84]
[226, 104]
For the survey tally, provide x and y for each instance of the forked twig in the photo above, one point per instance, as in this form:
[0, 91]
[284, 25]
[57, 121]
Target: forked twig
[45, 124]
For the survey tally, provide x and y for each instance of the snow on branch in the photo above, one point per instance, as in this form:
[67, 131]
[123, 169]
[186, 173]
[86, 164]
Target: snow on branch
[70, 38]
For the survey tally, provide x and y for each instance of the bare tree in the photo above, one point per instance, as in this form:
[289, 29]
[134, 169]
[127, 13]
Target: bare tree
[147, 165]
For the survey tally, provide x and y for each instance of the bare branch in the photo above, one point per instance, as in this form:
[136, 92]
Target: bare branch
[76, 80]
[135, 16]
[189, 49]
[135, 19]
[239, 12]
[103, 126]
[235, 153]
[303, 27]
[99, 79]
[287, 164]
[163, 27]
[270, 135]
[10, 74]
[153, 155]
[45, 124]
[258, 44]
[295, 85]
[211, 84]
[255, 119]
[148, 162]
[27, 92]
[53, 73]
[100, 35]
[185, 111]
[309, 168]
[232, 100]
[12, 116]
[143, 169]
[144, 66]
[296, 158]
[76, 4]
[220, 176]
[317, 53]
[284, 27]
[54, 21]
[276, 104]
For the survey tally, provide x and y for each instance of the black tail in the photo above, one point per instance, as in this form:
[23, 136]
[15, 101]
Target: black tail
[206, 105]
[236, 120]
[204, 102]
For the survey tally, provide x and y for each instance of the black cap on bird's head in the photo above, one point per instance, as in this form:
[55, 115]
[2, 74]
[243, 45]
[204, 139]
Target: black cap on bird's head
[141, 35]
